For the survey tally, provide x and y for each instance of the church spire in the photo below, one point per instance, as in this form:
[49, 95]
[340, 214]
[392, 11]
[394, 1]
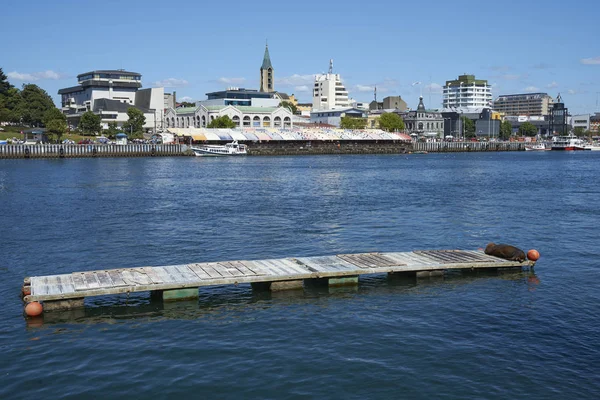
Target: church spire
[266, 73]
[266, 59]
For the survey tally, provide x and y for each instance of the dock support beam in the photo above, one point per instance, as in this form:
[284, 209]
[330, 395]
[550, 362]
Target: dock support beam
[175, 294]
[343, 281]
[62, 305]
[428, 274]
[277, 286]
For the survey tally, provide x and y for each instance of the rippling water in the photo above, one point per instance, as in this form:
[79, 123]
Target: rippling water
[491, 336]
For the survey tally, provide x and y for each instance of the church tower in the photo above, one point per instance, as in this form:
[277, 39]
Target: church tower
[266, 73]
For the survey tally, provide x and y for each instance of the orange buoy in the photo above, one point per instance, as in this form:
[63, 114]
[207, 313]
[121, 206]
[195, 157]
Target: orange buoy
[33, 309]
[533, 255]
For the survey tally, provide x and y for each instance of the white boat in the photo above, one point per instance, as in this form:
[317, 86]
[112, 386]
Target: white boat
[229, 149]
[536, 147]
[570, 142]
[593, 146]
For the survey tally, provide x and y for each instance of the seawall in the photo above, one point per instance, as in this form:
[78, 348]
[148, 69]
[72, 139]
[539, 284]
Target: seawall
[257, 148]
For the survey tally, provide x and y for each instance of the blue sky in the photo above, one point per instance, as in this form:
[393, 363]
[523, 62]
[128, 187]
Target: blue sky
[196, 47]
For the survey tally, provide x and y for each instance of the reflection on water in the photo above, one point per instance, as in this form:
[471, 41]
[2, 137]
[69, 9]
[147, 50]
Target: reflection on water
[223, 302]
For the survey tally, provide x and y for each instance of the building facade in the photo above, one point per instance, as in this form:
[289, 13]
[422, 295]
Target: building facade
[329, 92]
[466, 92]
[581, 121]
[424, 123]
[558, 119]
[109, 93]
[334, 116]
[243, 116]
[524, 104]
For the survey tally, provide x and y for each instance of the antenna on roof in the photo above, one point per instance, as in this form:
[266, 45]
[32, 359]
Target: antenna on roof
[375, 94]
[331, 66]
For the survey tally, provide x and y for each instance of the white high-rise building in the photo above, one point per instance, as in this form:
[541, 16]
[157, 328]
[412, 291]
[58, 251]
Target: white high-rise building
[329, 92]
[467, 93]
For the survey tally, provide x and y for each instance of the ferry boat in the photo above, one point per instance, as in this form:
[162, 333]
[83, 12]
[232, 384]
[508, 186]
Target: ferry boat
[229, 149]
[537, 147]
[570, 142]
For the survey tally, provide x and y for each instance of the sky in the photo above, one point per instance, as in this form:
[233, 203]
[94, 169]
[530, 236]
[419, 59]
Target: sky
[196, 47]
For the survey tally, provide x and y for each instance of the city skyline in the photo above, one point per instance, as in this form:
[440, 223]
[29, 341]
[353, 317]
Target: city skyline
[195, 49]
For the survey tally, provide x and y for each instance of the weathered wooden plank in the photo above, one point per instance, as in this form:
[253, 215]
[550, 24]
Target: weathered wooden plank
[275, 267]
[175, 274]
[246, 271]
[208, 269]
[151, 273]
[104, 279]
[197, 269]
[221, 269]
[256, 269]
[135, 277]
[164, 275]
[79, 281]
[231, 268]
[326, 263]
[187, 274]
[116, 277]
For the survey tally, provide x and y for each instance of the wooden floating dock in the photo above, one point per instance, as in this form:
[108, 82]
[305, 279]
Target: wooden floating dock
[174, 282]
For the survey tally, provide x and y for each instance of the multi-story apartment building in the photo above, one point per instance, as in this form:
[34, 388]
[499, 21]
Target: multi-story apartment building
[524, 104]
[109, 93]
[329, 92]
[467, 93]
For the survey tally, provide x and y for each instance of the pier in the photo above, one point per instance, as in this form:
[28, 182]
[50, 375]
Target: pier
[255, 148]
[91, 150]
[176, 282]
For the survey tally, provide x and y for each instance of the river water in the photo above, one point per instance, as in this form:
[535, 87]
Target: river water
[531, 335]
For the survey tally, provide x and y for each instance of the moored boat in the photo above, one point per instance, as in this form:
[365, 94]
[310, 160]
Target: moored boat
[570, 142]
[229, 149]
[536, 147]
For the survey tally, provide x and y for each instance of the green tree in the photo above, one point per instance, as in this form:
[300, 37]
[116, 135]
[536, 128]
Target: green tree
[10, 105]
[468, 127]
[52, 114]
[353, 123]
[290, 106]
[4, 84]
[391, 122]
[90, 123]
[56, 128]
[222, 122]
[187, 104]
[505, 130]
[35, 102]
[134, 127]
[579, 131]
[528, 129]
[112, 130]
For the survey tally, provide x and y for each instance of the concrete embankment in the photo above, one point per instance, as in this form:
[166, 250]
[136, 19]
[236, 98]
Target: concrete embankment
[258, 148]
[91, 150]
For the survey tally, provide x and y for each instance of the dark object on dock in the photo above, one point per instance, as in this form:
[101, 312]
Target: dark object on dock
[505, 251]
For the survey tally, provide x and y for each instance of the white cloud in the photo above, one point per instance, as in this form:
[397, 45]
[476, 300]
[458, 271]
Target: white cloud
[571, 91]
[186, 98]
[364, 88]
[552, 85]
[531, 89]
[295, 80]
[510, 77]
[35, 76]
[231, 81]
[591, 61]
[434, 88]
[302, 88]
[171, 83]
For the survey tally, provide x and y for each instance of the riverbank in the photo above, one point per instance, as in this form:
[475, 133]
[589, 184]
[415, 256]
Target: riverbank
[260, 148]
